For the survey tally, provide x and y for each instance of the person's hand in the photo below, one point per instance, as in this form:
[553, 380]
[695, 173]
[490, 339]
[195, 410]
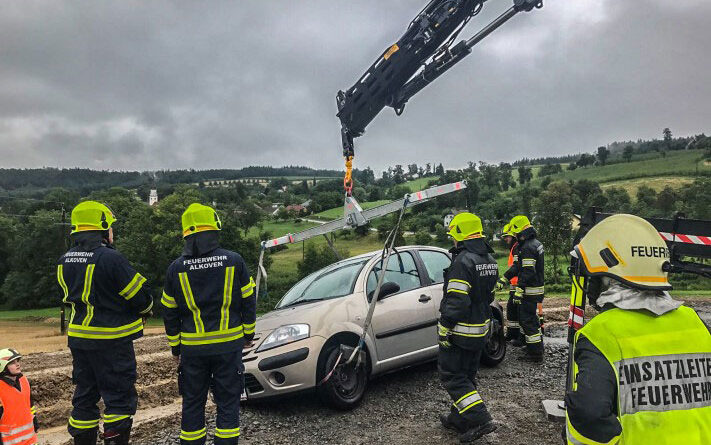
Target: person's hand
[518, 295]
[443, 334]
[503, 282]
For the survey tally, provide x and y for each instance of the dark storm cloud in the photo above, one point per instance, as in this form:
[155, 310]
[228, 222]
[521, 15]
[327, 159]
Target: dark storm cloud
[151, 85]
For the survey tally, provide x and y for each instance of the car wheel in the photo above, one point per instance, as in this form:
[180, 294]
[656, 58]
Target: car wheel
[345, 388]
[495, 349]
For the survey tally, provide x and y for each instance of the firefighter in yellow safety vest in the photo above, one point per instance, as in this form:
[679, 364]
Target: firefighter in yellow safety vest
[642, 367]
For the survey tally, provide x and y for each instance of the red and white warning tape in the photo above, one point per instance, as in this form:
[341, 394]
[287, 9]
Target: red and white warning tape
[688, 239]
[575, 318]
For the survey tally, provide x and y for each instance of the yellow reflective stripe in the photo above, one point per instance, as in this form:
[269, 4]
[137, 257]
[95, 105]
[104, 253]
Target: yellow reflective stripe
[249, 327]
[535, 338]
[133, 287]
[205, 338]
[111, 418]
[190, 300]
[173, 340]
[148, 309]
[248, 289]
[227, 298]
[193, 435]
[168, 301]
[575, 438]
[85, 294]
[103, 333]
[83, 424]
[65, 289]
[457, 291]
[467, 401]
[529, 262]
[226, 433]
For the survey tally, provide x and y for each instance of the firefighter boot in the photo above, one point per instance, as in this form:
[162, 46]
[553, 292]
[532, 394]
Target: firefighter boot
[450, 422]
[86, 437]
[117, 437]
[476, 432]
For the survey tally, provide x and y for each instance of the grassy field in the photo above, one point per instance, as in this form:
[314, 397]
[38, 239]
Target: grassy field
[419, 184]
[657, 183]
[279, 228]
[676, 163]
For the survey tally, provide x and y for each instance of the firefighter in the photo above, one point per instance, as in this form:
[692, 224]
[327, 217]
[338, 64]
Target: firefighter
[209, 314]
[109, 301]
[464, 322]
[18, 421]
[642, 371]
[529, 288]
[510, 279]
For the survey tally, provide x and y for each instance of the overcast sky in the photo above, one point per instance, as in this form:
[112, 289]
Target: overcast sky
[139, 85]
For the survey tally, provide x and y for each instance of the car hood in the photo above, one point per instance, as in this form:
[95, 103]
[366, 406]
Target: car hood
[316, 314]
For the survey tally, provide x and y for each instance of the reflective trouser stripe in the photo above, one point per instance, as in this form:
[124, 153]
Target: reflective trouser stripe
[471, 330]
[514, 324]
[111, 418]
[83, 424]
[226, 433]
[193, 435]
[248, 289]
[227, 298]
[467, 401]
[85, 294]
[102, 333]
[204, 338]
[249, 328]
[190, 300]
[533, 290]
[133, 287]
[535, 338]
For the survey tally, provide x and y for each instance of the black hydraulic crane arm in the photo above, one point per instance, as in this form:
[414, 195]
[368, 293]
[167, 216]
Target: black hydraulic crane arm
[403, 69]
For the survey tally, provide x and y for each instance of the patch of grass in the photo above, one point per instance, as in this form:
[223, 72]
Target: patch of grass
[676, 163]
[51, 312]
[279, 228]
[419, 184]
[658, 183]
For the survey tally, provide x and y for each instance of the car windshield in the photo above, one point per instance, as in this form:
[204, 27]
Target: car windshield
[331, 282]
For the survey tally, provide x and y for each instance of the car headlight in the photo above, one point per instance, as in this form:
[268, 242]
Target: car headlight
[284, 335]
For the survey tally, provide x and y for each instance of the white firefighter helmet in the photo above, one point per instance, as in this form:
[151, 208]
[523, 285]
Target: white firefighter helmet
[628, 249]
[8, 356]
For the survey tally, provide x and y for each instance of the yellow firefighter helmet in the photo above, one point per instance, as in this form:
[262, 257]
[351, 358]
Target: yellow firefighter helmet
[628, 249]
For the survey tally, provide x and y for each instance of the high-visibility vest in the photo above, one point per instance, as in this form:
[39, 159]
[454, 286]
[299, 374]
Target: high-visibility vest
[513, 259]
[16, 424]
[663, 370]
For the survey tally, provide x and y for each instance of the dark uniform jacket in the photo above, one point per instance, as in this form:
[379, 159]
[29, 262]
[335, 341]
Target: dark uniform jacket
[209, 300]
[108, 297]
[468, 290]
[530, 265]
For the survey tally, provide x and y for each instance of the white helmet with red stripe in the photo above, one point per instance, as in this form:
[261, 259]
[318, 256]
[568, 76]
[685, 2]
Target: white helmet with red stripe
[8, 356]
[628, 249]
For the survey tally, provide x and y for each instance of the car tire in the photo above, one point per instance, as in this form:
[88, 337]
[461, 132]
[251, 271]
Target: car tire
[495, 349]
[345, 388]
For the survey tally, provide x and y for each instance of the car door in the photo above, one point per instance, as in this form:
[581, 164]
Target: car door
[400, 320]
[433, 263]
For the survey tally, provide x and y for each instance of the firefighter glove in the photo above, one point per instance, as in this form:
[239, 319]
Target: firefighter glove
[502, 283]
[444, 333]
[518, 295]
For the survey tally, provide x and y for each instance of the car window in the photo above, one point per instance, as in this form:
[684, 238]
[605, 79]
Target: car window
[402, 271]
[435, 263]
[334, 281]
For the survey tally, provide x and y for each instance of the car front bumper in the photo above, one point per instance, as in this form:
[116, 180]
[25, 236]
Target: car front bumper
[282, 370]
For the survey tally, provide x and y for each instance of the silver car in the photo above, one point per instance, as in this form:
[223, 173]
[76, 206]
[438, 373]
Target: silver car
[297, 345]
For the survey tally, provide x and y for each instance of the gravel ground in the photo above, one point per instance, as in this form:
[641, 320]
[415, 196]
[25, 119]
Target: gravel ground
[403, 408]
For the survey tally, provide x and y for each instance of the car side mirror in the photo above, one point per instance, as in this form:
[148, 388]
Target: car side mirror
[386, 289]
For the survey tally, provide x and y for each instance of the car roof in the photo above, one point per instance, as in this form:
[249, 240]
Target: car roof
[378, 252]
